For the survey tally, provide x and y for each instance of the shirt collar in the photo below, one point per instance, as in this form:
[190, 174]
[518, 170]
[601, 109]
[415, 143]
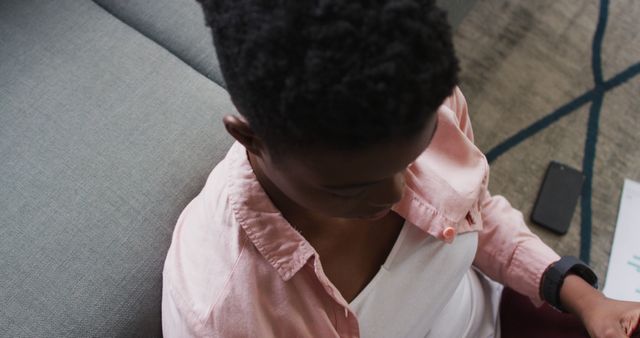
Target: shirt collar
[444, 184]
[280, 244]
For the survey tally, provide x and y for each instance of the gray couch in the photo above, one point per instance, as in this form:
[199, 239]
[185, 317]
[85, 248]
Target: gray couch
[110, 122]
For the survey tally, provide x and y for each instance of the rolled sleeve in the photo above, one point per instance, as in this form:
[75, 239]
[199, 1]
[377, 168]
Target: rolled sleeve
[508, 251]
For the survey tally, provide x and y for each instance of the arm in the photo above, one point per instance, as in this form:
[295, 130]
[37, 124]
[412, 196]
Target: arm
[508, 251]
[511, 254]
[603, 317]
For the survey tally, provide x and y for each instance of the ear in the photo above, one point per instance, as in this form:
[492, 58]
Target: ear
[239, 128]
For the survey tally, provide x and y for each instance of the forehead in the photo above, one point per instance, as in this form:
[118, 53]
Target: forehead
[349, 167]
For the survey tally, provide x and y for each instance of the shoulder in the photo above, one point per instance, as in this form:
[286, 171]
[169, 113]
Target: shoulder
[206, 245]
[456, 102]
[455, 109]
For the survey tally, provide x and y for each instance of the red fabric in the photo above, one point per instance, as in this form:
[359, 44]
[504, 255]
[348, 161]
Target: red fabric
[520, 318]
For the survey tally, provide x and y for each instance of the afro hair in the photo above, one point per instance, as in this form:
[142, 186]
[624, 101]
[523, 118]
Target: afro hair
[333, 73]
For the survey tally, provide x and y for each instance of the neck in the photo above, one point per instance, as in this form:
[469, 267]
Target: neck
[307, 222]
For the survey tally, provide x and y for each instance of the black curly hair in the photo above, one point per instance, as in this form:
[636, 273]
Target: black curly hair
[340, 74]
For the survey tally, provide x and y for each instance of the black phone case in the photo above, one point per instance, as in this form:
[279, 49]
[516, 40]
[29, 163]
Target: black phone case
[558, 197]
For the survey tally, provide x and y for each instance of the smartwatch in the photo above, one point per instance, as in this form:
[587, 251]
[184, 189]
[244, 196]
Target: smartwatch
[555, 274]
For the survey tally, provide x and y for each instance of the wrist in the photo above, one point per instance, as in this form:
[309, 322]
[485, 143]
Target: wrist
[554, 277]
[577, 296]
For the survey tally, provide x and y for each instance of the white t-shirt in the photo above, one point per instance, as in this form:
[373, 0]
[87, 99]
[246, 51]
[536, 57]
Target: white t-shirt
[428, 288]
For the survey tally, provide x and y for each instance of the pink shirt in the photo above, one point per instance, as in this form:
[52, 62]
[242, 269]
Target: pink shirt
[237, 268]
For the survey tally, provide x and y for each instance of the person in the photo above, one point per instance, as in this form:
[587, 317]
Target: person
[354, 202]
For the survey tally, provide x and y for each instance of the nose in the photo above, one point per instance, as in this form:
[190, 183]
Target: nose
[389, 192]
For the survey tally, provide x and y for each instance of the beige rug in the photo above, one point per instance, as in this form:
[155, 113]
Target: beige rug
[522, 60]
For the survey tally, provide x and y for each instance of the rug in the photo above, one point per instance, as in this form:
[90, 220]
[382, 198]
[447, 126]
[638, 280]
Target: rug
[557, 80]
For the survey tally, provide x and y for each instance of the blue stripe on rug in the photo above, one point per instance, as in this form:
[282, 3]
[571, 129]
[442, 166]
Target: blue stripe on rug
[596, 97]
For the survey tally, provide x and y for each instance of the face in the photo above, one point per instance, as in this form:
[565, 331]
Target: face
[361, 184]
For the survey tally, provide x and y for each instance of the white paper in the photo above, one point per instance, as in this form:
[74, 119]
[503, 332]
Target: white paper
[623, 274]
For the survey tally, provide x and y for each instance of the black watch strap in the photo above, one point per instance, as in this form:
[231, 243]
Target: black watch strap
[555, 274]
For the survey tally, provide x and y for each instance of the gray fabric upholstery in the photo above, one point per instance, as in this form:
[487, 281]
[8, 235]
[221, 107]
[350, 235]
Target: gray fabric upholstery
[178, 25]
[104, 138]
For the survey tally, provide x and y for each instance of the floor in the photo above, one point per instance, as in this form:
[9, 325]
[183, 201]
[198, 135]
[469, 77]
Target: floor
[542, 85]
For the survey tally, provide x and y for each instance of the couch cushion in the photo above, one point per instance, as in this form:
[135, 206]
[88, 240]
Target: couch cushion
[104, 138]
[178, 25]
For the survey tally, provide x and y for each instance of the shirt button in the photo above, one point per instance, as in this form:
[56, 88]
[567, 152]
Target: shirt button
[449, 233]
[346, 313]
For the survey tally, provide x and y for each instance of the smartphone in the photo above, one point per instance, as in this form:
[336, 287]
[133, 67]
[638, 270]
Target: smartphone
[557, 198]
